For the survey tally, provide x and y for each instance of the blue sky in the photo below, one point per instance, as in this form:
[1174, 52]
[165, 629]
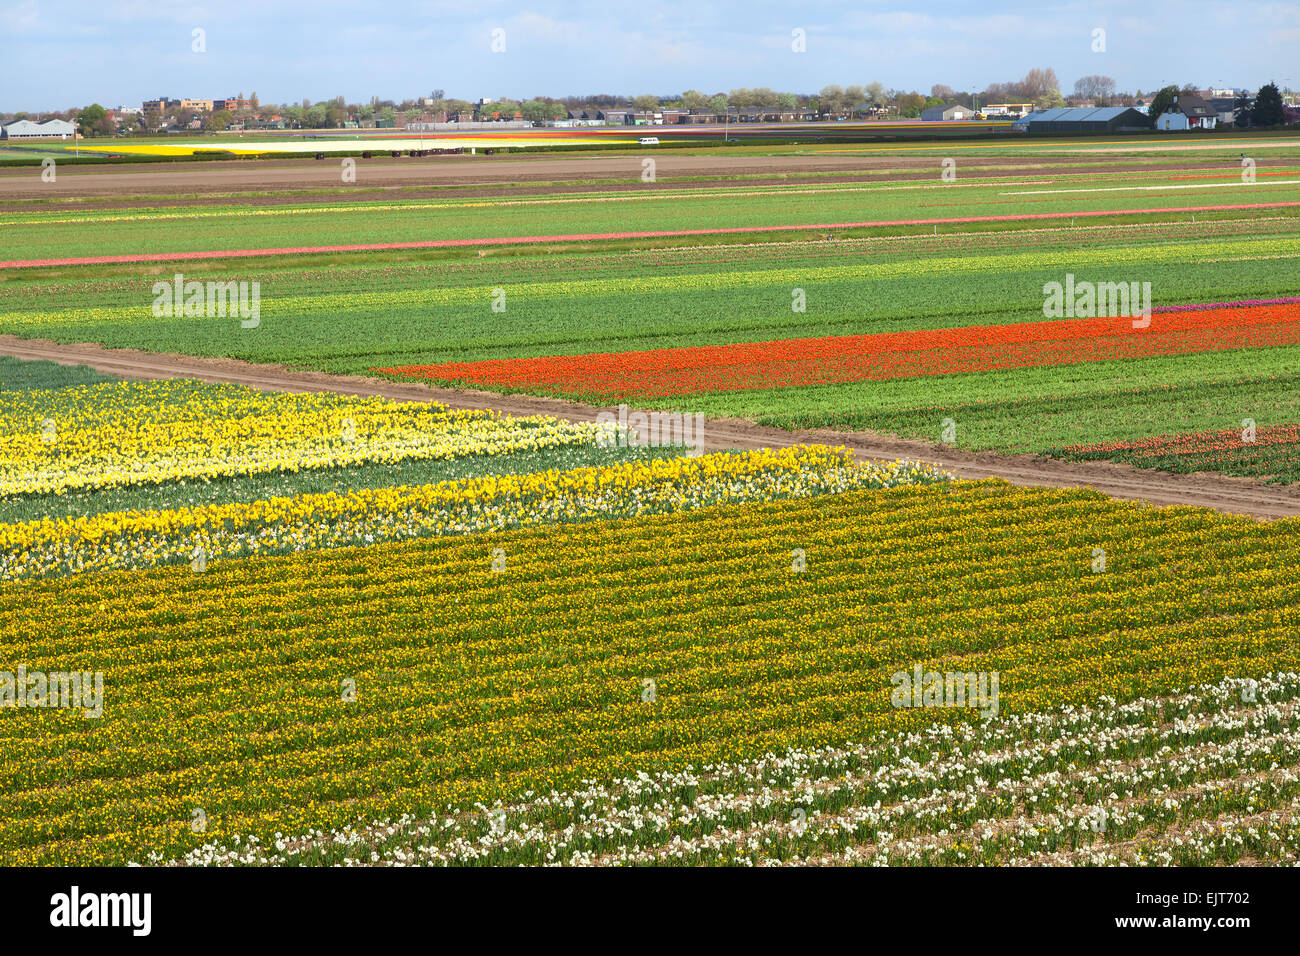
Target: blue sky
[54, 55]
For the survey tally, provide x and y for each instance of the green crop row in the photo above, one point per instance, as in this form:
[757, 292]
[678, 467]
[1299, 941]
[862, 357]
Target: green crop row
[272, 227]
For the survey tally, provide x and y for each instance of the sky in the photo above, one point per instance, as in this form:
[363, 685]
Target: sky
[57, 55]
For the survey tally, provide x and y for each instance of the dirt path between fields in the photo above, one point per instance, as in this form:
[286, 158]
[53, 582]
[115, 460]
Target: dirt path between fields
[411, 184]
[1231, 495]
[200, 178]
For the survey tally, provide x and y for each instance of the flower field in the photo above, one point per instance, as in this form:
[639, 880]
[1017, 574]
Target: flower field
[686, 371]
[887, 206]
[1191, 779]
[124, 452]
[897, 333]
[266, 146]
[1269, 452]
[317, 692]
[116, 539]
[325, 629]
[116, 434]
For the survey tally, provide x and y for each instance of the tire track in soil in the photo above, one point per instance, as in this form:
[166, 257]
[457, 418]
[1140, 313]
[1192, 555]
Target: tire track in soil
[1231, 495]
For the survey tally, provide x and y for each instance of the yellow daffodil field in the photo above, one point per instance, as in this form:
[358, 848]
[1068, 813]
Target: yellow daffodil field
[562, 517]
[118, 434]
[252, 627]
[135, 539]
[120, 448]
[727, 675]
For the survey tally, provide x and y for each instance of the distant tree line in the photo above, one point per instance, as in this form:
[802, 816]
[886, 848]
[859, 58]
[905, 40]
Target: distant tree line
[1039, 87]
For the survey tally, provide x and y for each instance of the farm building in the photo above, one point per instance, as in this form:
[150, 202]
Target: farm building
[1007, 109]
[1084, 119]
[1188, 112]
[947, 113]
[1233, 111]
[26, 129]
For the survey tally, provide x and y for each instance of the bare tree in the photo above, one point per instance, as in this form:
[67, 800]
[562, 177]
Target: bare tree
[1038, 82]
[831, 98]
[1099, 89]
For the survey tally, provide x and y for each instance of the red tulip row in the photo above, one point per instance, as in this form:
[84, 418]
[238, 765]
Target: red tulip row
[850, 358]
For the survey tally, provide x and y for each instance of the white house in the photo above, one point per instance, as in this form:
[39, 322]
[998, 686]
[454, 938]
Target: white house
[1188, 111]
[26, 129]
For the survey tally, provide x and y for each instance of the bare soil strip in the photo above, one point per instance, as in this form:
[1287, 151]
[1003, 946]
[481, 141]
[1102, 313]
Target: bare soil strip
[908, 171]
[411, 185]
[1232, 495]
[199, 178]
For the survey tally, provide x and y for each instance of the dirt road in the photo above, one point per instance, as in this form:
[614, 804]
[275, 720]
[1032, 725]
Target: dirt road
[1232, 495]
[198, 178]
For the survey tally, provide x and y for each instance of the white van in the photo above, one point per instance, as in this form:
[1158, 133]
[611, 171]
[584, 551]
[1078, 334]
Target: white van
[649, 141]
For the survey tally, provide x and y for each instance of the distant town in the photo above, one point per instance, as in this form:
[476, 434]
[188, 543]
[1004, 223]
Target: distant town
[1094, 104]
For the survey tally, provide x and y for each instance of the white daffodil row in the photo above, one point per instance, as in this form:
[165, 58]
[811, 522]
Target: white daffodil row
[1201, 777]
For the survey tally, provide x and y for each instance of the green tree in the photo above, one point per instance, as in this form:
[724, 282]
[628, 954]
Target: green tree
[742, 97]
[694, 100]
[1162, 101]
[88, 120]
[1241, 111]
[911, 104]
[537, 111]
[719, 103]
[1050, 100]
[1268, 107]
[219, 120]
[646, 101]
